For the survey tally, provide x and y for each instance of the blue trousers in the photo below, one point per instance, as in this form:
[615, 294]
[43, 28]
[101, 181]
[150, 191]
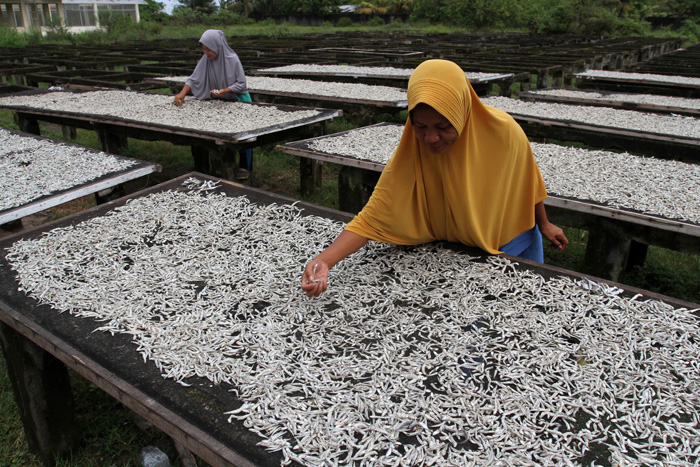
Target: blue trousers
[527, 245]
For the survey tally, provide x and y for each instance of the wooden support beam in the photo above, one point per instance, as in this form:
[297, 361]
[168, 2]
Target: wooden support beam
[310, 175]
[27, 124]
[69, 132]
[110, 140]
[355, 187]
[637, 255]
[41, 386]
[607, 251]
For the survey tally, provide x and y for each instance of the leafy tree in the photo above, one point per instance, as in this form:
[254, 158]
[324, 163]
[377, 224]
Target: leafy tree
[428, 10]
[401, 6]
[684, 8]
[379, 7]
[265, 8]
[152, 11]
[204, 6]
[242, 7]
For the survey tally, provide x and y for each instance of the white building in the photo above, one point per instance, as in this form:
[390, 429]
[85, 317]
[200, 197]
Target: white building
[76, 15]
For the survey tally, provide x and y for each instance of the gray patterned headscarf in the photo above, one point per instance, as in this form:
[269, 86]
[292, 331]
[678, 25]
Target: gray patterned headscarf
[225, 71]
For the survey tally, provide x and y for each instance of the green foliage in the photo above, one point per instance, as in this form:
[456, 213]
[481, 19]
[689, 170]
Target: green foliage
[184, 16]
[9, 37]
[344, 22]
[242, 7]
[376, 21]
[667, 272]
[553, 20]
[228, 17]
[57, 32]
[288, 7]
[690, 30]
[205, 7]
[153, 11]
[428, 10]
[584, 17]
[267, 22]
[116, 24]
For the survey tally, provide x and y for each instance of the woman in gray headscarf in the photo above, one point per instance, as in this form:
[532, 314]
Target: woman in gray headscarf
[219, 74]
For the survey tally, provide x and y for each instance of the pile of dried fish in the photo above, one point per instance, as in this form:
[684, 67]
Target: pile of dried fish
[311, 88]
[654, 186]
[651, 99]
[214, 116]
[647, 122]
[414, 356]
[372, 143]
[344, 70]
[621, 75]
[31, 168]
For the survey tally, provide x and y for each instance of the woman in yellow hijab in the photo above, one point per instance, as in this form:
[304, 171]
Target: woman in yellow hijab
[463, 172]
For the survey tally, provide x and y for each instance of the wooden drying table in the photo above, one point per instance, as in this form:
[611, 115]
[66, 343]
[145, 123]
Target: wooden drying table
[39, 343]
[623, 84]
[588, 97]
[360, 111]
[104, 188]
[214, 153]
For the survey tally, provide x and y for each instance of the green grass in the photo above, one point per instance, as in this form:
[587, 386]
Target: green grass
[111, 435]
[13, 446]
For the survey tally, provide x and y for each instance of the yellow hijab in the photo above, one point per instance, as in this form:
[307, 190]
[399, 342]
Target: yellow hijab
[481, 192]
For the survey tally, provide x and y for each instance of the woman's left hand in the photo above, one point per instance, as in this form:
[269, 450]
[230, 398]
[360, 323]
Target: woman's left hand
[555, 235]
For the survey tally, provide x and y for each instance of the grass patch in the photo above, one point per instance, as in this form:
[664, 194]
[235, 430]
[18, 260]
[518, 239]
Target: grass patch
[669, 273]
[13, 445]
[111, 435]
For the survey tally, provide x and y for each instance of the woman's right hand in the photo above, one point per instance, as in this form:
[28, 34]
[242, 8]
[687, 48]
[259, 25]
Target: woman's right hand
[314, 281]
[179, 99]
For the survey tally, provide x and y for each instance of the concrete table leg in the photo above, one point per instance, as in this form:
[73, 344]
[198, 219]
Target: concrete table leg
[43, 394]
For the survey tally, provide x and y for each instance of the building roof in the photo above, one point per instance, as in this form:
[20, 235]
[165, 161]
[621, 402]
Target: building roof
[104, 2]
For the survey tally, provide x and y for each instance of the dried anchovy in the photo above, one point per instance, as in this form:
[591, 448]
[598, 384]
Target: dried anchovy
[214, 116]
[668, 101]
[654, 186]
[372, 143]
[318, 88]
[677, 125]
[649, 77]
[414, 356]
[31, 168]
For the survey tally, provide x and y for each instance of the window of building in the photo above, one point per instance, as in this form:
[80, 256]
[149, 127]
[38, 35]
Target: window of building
[18, 15]
[79, 15]
[123, 9]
